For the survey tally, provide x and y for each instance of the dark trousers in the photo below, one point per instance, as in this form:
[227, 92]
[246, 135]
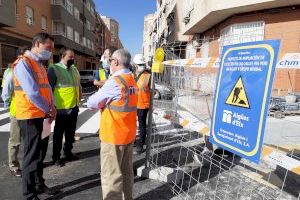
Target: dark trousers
[142, 117]
[31, 130]
[64, 124]
[44, 146]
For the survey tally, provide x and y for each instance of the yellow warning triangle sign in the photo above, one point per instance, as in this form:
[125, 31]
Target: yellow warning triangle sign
[238, 95]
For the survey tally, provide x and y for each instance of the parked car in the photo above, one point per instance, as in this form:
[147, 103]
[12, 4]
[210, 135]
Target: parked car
[163, 92]
[86, 76]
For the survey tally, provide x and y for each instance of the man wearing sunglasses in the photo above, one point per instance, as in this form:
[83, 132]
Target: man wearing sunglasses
[117, 100]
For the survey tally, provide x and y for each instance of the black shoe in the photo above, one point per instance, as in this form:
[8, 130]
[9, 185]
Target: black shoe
[71, 157]
[58, 163]
[35, 198]
[16, 172]
[139, 150]
[44, 189]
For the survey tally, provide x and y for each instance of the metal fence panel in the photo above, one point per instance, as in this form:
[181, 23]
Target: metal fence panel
[182, 109]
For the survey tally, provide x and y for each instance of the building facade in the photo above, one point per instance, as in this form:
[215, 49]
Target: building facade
[113, 28]
[214, 25]
[21, 20]
[208, 25]
[166, 29]
[100, 35]
[148, 42]
[73, 26]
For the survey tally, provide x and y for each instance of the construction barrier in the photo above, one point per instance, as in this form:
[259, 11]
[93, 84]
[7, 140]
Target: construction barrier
[181, 154]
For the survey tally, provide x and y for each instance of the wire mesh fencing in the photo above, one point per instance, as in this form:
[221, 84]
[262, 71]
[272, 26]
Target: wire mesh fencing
[182, 109]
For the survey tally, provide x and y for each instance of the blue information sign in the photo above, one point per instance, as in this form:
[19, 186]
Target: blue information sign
[242, 97]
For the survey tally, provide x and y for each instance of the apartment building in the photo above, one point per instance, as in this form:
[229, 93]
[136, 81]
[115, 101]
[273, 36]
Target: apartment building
[214, 24]
[148, 40]
[73, 26]
[100, 35]
[166, 29]
[113, 27]
[20, 21]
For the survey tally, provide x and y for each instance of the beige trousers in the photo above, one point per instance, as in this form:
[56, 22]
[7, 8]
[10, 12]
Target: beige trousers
[14, 142]
[116, 171]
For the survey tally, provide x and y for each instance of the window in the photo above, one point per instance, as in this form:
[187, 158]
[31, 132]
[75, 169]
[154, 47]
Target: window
[88, 25]
[29, 15]
[58, 28]
[76, 13]
[88, 5]
[16, 8]
[188, 8]
[59, 2]
[92, 27]
[92, 46]
[243, 32]
[83, 41]
[69, 6]
[44, 23]
[76, 37]
[205, 48]
[190, 51]
[93, 11]
[88, 43]
[70, 32]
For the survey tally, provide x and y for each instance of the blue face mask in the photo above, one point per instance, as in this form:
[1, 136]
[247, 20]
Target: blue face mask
[45, 55]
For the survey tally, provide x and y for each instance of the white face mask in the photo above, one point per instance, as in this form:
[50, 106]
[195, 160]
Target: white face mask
[141, 68]
[105, 64]
[45, 55]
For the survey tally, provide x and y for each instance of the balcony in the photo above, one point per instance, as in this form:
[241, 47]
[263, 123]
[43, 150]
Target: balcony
[61, 33]
[204, 14]
[58, 2]
[61, 40]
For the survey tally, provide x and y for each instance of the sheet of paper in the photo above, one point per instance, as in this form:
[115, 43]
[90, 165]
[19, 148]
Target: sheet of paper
[46, 128]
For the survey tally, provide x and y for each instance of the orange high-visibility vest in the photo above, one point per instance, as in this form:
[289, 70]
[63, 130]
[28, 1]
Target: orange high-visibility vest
[25, 108]
[118, 119]
[144, 91]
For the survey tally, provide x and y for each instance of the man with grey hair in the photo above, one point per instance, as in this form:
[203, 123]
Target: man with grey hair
[117, 100]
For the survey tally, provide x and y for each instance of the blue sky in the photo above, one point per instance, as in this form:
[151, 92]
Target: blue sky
[130, 15]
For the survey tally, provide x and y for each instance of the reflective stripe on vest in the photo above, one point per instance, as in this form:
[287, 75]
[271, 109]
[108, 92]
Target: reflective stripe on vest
[26, 109]
[66, 90]
[12, 105]
[118, 119]
[144, 91]
[124, 108]
[102, 75]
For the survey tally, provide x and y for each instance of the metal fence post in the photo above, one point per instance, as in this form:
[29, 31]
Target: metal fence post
[149, 125]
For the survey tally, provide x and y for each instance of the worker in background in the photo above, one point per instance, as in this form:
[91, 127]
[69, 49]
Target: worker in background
[64, 79]
[103, 73]
[34, 103]
[143, 77]
[117, 100]
[14, 140]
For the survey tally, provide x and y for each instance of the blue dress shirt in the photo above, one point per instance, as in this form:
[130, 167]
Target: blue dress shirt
[110, 91]
[29, 85]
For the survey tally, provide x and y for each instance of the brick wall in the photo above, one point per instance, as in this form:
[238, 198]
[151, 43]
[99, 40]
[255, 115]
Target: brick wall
[40, 7]
[283, 25]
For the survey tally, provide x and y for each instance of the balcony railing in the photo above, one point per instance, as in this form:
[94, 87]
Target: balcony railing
[58, 2]
[61, 33]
